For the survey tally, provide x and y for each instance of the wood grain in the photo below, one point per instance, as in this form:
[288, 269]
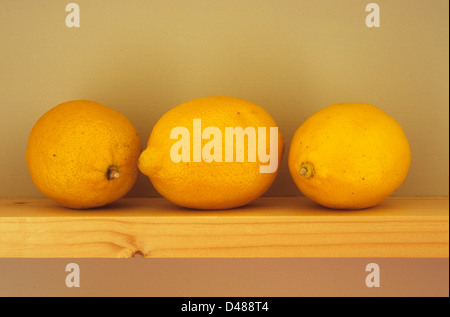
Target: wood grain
[268, 227]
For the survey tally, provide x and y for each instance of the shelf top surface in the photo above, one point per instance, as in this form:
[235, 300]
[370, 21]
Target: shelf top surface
[263, 207]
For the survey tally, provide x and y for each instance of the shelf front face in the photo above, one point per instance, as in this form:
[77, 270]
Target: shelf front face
[268, 227]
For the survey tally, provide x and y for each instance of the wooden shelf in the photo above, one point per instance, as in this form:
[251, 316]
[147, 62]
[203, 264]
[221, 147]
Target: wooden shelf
[268, 227]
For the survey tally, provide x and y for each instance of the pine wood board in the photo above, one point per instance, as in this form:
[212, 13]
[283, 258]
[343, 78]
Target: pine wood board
[268, 227]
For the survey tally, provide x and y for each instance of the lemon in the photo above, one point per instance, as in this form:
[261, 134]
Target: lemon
[349, 156]
[213, 169]
[83, 154]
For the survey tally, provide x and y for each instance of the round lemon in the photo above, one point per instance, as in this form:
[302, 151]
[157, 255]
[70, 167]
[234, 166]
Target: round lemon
[349, 156]
[83, 154]
[200, 182]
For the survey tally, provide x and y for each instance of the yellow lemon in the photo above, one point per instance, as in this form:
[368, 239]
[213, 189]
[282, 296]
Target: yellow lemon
[83, 154]
[213, 153]
[349, 156]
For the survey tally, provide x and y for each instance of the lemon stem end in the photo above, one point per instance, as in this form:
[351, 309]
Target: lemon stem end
[112, 173]
[307, 170]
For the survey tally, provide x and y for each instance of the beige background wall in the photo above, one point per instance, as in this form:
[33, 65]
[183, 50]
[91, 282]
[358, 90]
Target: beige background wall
[291, 57]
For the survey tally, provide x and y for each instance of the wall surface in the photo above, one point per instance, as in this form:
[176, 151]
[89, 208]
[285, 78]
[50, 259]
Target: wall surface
[291, 57]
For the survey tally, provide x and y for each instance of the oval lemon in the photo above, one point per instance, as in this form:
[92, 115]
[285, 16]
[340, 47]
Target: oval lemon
[200, 173]
[83, 154]
[349, 156]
